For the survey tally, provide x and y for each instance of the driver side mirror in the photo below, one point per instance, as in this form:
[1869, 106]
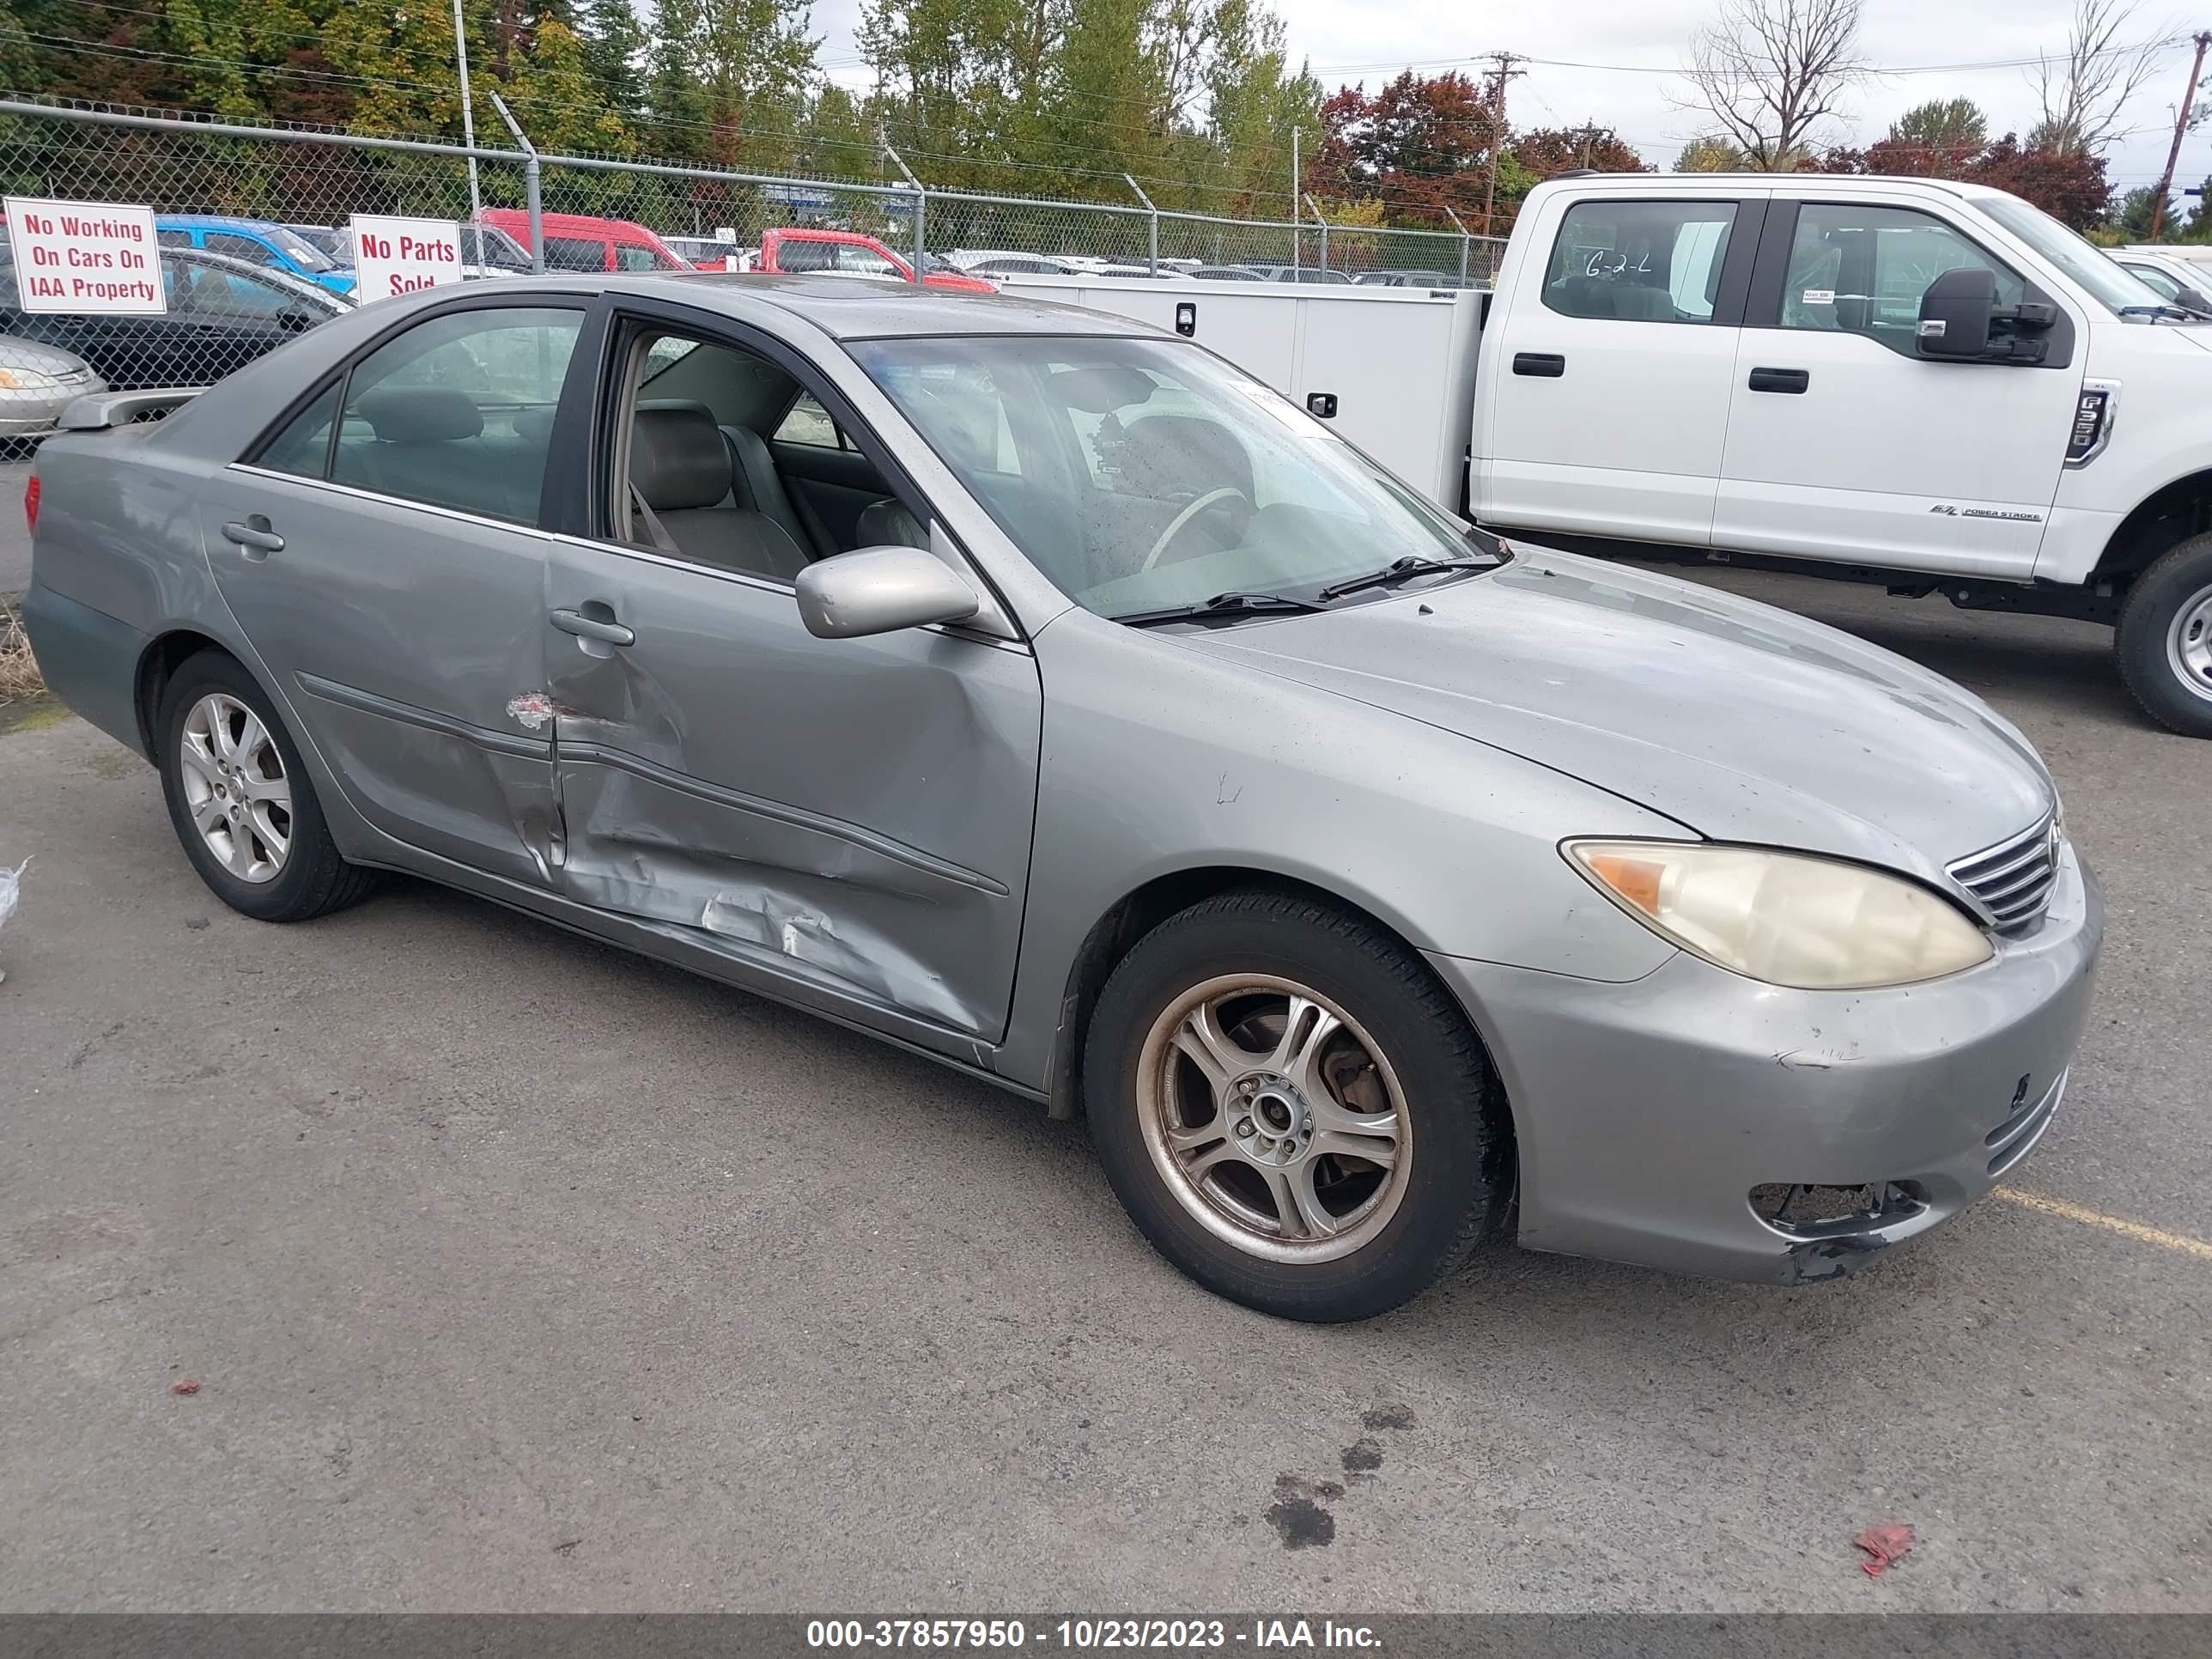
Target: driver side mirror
[1955, 313]
[2192, 299]
[881, 590]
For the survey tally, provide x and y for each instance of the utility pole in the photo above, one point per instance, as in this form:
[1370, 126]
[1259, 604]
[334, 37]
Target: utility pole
[1298, 188]
[1503, 72]
[468, 115]
[2180, 126]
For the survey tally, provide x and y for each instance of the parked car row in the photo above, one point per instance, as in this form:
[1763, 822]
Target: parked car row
[223, 313]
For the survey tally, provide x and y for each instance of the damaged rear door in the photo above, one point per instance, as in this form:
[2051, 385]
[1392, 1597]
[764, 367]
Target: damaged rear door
[849, 818]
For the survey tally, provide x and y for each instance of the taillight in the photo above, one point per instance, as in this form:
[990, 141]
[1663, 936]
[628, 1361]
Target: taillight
[31, 504]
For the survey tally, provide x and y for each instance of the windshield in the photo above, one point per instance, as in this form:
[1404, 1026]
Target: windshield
[1141, 474]
[2090, 266]
[299, 250]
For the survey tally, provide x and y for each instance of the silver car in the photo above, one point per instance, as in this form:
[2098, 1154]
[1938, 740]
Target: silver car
[37, 382]
[1042, 695]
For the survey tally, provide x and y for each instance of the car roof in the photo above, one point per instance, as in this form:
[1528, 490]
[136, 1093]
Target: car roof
[845, 309]
[212, 222]
[564, 224]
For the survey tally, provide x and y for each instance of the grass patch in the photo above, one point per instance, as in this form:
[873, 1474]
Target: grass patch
[32, 714]
[20, 679]
[24, 702]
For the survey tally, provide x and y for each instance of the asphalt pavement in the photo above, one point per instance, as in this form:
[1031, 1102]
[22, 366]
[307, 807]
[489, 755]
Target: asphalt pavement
[516, 1273]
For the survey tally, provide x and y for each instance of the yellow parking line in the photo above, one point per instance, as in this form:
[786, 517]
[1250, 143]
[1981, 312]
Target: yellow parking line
[2136, 1229]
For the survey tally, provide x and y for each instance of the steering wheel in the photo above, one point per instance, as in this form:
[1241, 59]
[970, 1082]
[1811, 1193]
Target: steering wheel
[1182, 520]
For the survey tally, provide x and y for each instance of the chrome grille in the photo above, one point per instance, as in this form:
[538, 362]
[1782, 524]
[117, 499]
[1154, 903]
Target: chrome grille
[2012, 881]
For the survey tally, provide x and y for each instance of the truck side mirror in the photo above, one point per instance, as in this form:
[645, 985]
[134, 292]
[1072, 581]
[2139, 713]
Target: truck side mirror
[2192, 299]
[1955, 313]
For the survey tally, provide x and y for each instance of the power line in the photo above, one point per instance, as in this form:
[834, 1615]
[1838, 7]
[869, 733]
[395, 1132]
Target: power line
[2164, 43]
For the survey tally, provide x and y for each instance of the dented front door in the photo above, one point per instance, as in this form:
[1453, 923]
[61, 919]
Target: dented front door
[849, 818]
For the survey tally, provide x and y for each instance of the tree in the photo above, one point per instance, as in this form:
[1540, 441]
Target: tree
[2131, 215]
[614, 55]
[1419, 143]
[2083, 92]
[676, 101]
[1709, 155]
[2198, 226]
[2069, 187]
[1948, 131]
[1546, 152]
[1771, 71]
[1103, 94]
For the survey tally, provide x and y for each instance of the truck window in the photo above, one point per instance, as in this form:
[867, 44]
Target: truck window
[1644, 262]
[2157, 281]
[864, 261]
[1862, 270]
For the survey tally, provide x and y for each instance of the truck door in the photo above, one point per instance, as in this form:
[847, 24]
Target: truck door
[1603, 394]
[1845, 443]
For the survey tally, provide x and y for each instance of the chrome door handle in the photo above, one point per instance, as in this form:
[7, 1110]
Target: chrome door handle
[591, 628]
[256, 536]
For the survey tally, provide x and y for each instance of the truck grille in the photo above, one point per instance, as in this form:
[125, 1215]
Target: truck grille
[2012, 881]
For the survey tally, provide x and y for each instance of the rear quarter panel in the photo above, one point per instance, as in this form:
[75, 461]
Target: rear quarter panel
[117, 538]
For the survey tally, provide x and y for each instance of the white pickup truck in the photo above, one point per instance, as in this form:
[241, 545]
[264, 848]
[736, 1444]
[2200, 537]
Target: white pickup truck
[1925, 384]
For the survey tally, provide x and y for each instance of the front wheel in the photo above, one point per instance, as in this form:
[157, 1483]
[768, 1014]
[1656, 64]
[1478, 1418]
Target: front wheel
[2165, 640]
[1292, 1109]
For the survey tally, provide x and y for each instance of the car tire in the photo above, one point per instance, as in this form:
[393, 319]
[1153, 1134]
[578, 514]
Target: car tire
[242, 805]
[2164, 644]
[1332, 1028]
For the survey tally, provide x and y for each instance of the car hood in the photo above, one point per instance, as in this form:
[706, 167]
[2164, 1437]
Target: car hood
[17, 352]
[1737, 720]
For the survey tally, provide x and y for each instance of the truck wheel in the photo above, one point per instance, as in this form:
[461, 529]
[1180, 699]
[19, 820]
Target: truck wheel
[1292, 1109]
[242, 804]
[2165, 638]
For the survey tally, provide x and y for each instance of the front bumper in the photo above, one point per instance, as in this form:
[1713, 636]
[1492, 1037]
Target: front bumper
[24, 416]
[1646, 1114]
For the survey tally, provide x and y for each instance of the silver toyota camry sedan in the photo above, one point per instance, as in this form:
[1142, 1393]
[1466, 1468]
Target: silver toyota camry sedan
[1042, 695]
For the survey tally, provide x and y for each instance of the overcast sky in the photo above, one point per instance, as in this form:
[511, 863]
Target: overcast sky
[1645, 41]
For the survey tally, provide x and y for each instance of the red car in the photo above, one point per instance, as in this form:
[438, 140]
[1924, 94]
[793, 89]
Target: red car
[576, 242]
[851, 254]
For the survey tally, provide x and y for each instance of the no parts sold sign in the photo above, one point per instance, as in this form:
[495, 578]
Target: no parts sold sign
[85, 257]
[399, 255]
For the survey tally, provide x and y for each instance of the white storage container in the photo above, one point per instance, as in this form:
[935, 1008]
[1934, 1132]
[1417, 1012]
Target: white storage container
[1393, 369]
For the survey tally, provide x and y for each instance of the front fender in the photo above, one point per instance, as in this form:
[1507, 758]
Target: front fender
[1159, 760]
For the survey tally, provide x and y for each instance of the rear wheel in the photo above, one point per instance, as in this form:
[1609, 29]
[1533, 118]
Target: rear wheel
[1292, 1109]
[242, 803]
[2165, 640]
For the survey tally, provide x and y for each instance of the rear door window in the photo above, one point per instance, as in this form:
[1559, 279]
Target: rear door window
[456, 412]
[240, 247]
[1643, 262]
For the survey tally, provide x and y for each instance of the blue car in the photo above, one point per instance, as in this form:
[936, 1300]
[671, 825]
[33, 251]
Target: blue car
[258, 242]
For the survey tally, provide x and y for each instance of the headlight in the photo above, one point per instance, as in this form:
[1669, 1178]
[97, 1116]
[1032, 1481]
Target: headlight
[1811, 923]
[27, 379]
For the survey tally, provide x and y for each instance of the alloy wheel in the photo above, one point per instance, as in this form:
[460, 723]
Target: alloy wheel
[236, 788]
[1274, 1118]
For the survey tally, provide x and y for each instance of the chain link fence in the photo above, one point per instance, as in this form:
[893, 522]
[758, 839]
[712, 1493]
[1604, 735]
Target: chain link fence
[234, 289]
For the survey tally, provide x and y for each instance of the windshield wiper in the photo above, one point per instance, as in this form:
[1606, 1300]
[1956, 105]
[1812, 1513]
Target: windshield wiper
[1221, 604]
[1399, 570]
[2182, 312]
